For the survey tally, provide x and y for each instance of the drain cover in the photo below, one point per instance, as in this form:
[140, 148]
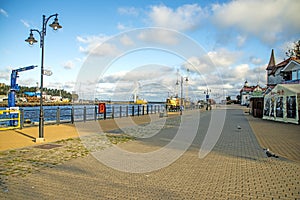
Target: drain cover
[48, 146]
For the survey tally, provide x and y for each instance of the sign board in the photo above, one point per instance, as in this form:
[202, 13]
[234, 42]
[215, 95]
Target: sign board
[101, 108]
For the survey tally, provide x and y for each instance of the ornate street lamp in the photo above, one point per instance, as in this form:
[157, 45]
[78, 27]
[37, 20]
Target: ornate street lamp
[31, 40]
[207, 97]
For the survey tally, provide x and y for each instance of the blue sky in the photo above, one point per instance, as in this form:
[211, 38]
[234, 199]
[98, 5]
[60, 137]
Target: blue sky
[237, 36]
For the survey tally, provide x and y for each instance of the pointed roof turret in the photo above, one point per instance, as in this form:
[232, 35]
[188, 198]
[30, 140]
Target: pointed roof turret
[271, 64]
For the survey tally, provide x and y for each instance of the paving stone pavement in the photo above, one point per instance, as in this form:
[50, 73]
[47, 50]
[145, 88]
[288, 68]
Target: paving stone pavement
[235, 169]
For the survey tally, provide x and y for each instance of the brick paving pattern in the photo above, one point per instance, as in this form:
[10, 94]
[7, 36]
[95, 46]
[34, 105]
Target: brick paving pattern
[236, 169]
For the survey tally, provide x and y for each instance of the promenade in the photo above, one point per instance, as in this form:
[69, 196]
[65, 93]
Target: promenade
[236, 168]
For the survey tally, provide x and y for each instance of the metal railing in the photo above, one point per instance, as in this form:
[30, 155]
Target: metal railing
[9, 119]
[71, 114]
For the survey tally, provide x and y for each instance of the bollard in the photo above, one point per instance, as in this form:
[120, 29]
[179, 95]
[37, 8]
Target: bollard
[126, 111]
[132, 111]
[112, 112]
[95, 113]
[143, 111]
[120, 111]
[58, 116]
[72, 115]
[84, 113]
[21, 118]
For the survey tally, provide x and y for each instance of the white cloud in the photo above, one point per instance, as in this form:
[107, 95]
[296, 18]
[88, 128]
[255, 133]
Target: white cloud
[68, 64]
[268, 20]
[209, 63]
[25, 23]
[255, 61]
[97, 45]
[186, 17]
[121, 27]
[127, 41]
[128, 11]
[241, 40]
[4, 75]
[240, 71]
[159, 36]
[223, 57]
[3, 12]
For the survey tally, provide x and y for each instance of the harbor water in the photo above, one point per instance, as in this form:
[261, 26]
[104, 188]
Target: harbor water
[71, 113]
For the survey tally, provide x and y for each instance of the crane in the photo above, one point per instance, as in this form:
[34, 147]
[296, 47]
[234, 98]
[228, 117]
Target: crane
[14, 86]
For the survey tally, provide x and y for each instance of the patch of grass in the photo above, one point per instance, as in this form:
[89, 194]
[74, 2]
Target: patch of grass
[119, 138]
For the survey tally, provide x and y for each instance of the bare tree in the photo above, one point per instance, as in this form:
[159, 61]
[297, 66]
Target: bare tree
[295, 51]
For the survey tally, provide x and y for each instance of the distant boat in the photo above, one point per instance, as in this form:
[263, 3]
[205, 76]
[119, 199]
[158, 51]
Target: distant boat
[136, 99]
[141, 101]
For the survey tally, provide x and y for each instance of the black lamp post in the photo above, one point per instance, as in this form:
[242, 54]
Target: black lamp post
[181, 91]
[207, 97]
[31, 40]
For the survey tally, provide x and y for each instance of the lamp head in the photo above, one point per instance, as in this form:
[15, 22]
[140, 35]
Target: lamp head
[55, 25]
[31, 39]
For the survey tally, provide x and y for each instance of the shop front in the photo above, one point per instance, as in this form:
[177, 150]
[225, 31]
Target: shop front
[282, 103]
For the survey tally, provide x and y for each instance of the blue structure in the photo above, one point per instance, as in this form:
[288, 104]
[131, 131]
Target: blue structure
[14, 87]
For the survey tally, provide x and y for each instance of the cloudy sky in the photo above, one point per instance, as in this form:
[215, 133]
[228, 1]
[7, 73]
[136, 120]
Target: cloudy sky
[109, 49]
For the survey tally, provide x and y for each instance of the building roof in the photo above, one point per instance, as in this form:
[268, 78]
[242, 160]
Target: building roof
[281, 65]
[291, 65]
[292, 88]
[271, 64]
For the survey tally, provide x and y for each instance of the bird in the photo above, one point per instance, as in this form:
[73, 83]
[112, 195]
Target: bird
[269, 153]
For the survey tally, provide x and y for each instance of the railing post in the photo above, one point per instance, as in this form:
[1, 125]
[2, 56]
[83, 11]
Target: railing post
[104, 115]
[151, 109]
[58, 116]
[120, 111]
[143, 111]
[72, 115]
[147, 109]
[158, 109]
[84, 113]
[132, 111]
[112, 112]
[95, 113]
[22, 118]
[126, 111]
[138, 110]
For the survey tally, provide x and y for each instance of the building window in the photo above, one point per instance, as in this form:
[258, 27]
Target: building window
[291, 106]
[296, 75]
